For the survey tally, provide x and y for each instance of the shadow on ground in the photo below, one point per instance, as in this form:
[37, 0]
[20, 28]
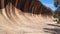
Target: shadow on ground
[55, 30]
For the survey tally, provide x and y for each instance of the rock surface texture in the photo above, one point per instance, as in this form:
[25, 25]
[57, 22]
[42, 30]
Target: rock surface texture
[14, 20]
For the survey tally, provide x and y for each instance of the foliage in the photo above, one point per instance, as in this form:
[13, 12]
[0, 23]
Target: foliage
[57, 14]
[56, 2]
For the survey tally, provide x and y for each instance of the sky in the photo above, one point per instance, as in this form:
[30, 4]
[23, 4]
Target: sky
[49, 3]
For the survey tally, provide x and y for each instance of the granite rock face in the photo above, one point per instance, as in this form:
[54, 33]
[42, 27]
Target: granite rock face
[27, 6]
[33, 19]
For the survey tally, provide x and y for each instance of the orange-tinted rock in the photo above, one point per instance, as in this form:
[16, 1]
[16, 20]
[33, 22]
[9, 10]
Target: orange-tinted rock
[29, 6]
